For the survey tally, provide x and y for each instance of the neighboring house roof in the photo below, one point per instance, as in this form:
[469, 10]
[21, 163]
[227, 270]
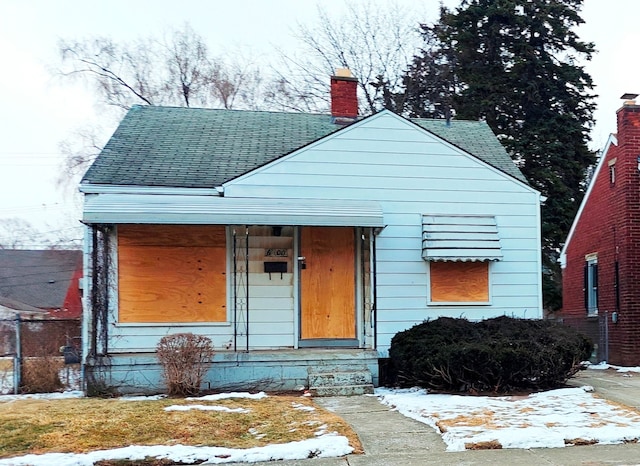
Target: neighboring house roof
[10, 307]
[39, 278]
[612, 141]
[204, 148]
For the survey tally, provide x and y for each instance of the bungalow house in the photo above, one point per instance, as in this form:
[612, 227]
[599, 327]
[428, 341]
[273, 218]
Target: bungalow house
[299, 243]
[600, 257]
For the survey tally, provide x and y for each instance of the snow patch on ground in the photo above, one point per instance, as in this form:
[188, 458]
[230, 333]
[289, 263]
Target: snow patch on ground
[551, 419]
[604, 365]
[206, 408]
[325, 446]
[225, 396]
[43, 396]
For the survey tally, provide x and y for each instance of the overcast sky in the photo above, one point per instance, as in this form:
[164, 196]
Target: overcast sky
[37, 111]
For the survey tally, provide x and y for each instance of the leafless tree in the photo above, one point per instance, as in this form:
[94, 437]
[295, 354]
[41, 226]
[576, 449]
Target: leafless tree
[16, 232]
[177, 69]
[376, 43]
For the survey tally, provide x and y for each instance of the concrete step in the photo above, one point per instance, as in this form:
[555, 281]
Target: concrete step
[340, 381]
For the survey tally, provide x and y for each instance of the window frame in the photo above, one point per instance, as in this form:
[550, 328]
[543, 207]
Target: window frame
[591, 284]
[488, 302]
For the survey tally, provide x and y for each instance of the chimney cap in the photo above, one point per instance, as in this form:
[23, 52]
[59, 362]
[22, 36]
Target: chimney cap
[629, 96]
[343, 73]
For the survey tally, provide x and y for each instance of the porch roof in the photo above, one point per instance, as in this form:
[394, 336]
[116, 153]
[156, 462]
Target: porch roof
[215, 210]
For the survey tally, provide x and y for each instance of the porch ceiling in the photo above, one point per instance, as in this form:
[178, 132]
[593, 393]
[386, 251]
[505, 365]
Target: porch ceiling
[214, 210]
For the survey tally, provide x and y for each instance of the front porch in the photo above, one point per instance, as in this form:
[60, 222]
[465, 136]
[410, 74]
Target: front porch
[269, 370]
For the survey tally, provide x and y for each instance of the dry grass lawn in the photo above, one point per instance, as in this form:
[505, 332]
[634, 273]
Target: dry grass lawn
[86, 424]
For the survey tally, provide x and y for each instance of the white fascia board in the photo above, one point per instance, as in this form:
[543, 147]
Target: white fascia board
[88, 188]
[611, 141]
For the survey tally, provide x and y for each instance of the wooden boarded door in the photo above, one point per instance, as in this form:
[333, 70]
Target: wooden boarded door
[327, 286]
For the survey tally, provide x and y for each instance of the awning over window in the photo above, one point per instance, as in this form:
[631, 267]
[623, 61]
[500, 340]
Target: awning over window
[460, 238]
[214, 210]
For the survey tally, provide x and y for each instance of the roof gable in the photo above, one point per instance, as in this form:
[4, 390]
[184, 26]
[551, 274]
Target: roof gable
[204, 148]
[611, 143]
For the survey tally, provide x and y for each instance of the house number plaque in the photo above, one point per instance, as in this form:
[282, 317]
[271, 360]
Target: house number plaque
[274, 252]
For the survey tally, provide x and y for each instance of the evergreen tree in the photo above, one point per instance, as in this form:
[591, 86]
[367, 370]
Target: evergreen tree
[515, 64]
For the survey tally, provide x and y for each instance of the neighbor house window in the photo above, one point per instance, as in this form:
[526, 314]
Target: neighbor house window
[459, 282]
[612, 171]
[591, 284]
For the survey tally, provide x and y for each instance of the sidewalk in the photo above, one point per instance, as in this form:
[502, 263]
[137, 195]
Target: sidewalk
[390, 439]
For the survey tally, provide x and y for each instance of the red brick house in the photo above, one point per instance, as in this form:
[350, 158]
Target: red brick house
[601, 257]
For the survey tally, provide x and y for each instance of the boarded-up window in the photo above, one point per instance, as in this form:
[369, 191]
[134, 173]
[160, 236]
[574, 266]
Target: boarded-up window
[171, 273]
[459, 282]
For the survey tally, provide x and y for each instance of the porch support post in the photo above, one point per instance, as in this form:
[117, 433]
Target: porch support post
[373, 278]
[246, 271]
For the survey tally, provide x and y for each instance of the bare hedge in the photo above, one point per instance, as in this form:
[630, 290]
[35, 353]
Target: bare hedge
[185, 359]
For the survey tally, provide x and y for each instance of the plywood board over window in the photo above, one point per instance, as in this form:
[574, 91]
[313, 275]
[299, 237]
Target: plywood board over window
[459, 282]
[171, 273]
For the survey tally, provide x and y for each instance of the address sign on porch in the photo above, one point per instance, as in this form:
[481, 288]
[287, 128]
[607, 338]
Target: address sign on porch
[274, 252]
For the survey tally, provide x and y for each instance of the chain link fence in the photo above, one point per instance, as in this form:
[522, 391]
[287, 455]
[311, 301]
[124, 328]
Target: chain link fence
[597, 329]
[39, 355]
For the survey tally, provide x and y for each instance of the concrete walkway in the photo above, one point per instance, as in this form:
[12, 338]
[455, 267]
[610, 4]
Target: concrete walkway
[390, 439]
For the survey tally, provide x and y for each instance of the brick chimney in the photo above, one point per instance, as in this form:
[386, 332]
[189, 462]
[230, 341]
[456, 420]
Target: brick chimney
[344, 97]
[628, 133]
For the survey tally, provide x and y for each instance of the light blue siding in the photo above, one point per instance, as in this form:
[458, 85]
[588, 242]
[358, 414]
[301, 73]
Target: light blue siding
[410, 172]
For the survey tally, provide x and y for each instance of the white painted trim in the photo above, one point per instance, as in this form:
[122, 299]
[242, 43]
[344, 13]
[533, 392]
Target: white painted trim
[603, 155]
[539, 249]
[359, 291]
[131, 189]
[296, 287]
[87, 292]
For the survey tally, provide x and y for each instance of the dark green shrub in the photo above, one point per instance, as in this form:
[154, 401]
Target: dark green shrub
[495, 355]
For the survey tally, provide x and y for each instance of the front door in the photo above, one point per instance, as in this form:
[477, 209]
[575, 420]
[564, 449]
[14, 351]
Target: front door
[327, 283]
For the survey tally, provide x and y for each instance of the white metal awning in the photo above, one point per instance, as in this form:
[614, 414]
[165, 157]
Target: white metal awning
[460, 238]
[215, 210]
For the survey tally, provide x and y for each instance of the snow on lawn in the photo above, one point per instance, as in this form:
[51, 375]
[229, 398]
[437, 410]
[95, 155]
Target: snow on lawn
[206, 408]
[43, 396]
[324, 446]
[224, 396]
[556, 418]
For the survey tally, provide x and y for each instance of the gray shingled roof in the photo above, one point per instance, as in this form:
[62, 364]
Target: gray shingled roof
[203, 148]
[39, 278]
